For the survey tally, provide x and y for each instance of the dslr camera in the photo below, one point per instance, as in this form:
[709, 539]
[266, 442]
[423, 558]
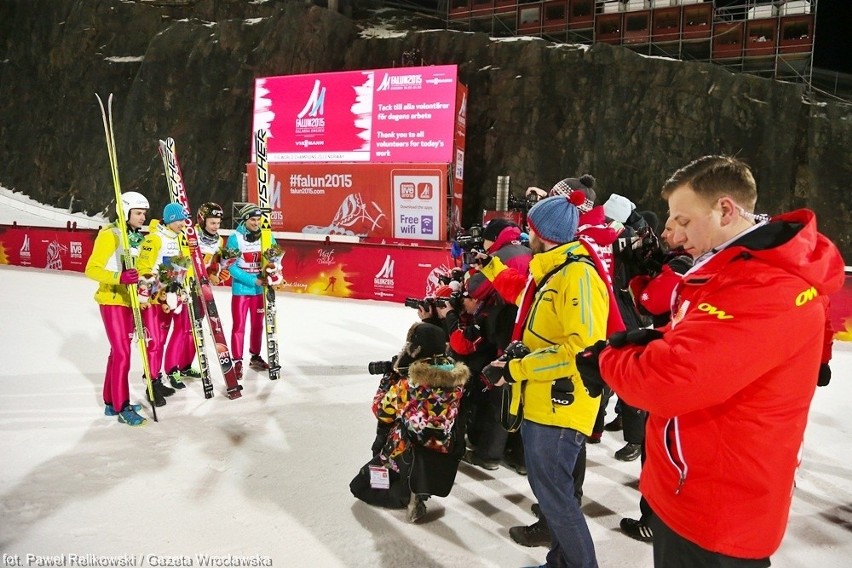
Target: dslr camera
[455, 275]
[471, 243]
[429, 302]
[381, 367]
[522, 204]
[642, 251]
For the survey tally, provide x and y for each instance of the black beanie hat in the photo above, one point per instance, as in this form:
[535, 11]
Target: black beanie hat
[424, 340]
[494, 227]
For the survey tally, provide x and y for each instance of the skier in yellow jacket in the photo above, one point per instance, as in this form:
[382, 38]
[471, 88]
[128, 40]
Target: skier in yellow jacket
[160, 248]
[105, 266]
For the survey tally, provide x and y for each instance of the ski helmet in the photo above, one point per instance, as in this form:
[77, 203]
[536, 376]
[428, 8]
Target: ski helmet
[209, 210]
[132, 200]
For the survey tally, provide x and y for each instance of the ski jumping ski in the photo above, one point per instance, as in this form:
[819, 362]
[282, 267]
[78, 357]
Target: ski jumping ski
[196, 311]
[177, 192]
[128, 259]
[263, 202]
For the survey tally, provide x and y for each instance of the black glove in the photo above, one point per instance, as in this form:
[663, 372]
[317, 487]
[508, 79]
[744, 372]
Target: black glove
[824, 375]
[641, 336]
[681, 263]
[479, 258]
[589, 368]
[562, 392]
[472, 332]
[493, 374]
[515, 350]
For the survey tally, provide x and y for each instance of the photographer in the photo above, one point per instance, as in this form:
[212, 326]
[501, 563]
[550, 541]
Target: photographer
[500, 238]
[635, 252]
[420, 406]
[569, 301]
[726, 427]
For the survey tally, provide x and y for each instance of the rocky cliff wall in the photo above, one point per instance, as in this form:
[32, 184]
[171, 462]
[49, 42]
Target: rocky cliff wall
[537, 111]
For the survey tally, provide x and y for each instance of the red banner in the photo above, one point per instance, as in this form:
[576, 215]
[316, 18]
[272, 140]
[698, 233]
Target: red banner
[456, 201]
[50, 248]
[841, 310]
[373, 271]
[377, 272]
[347, 270]
[402, 201]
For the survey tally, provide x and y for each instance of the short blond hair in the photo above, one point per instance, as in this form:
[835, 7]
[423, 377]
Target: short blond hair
[713, 177]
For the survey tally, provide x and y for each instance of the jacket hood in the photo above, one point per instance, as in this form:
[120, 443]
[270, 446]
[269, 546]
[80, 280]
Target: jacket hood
[791, 242]
[424, 373]
[506, 236]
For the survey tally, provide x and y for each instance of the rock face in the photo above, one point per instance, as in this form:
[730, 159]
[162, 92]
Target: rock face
[538, 112]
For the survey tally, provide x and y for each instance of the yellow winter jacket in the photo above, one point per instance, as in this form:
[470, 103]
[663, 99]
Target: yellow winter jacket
[160, 245]
[105, 266]
[568, 314]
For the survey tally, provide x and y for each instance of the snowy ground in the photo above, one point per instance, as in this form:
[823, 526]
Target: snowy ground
[268, 474]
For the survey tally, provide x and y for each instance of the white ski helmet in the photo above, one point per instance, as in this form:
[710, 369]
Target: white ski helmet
[132, 200]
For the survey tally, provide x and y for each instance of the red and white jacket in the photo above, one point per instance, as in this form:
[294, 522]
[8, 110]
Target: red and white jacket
[729, 386]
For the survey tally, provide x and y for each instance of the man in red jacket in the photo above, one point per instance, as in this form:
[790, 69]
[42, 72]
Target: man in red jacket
[726, 384]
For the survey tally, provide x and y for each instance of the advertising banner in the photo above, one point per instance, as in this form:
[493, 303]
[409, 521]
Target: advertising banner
[403, 114]
[367, 200]
[348, 270]
[363, 271]
[50, 248]
[456, 203]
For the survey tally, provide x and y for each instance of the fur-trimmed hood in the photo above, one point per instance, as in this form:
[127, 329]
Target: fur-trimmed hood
[424, 373]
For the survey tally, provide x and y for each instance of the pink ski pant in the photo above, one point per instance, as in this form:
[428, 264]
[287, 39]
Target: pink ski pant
[118, 323]
[157, 324]
[180, 350]
[242, 308]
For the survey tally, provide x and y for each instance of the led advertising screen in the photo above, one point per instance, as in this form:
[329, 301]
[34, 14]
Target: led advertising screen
[398, 115]
[402, 201]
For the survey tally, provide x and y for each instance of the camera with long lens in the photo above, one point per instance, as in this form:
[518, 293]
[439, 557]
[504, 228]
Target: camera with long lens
[379, 367]
[426, 303]
[471, 243]
[455, 275]
[471, 239]
[429, 302]
[522, 204]
[642, 251]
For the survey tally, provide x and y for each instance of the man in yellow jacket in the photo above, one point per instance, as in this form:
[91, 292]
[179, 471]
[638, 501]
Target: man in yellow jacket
[105, 266]
[563, 308]
[161, 247]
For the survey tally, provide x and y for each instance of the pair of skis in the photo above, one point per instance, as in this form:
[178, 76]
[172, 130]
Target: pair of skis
[177, 192]
[263, 201]
[128, 259]
[199, 284]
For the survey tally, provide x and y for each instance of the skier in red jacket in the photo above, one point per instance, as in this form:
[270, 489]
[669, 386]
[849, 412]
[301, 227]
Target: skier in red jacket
[727, 384]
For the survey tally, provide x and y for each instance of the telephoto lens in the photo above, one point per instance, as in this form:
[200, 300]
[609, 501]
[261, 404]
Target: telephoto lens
[379, 367]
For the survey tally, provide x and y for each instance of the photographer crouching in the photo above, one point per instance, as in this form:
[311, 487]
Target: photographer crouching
[417, 404]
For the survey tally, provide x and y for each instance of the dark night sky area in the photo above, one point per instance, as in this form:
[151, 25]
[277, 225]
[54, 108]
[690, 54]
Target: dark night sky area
[833, 49]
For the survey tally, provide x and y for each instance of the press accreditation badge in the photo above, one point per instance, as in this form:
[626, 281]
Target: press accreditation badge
[379, 478]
